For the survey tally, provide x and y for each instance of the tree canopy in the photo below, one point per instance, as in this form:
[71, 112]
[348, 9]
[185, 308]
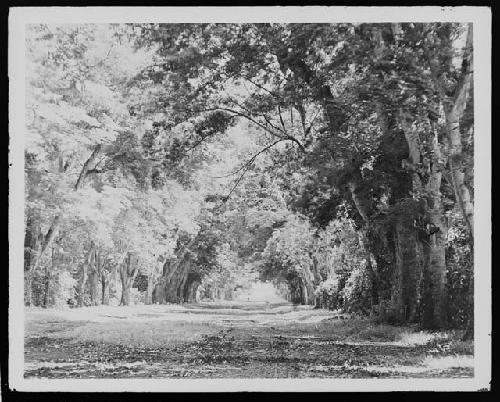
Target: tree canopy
[187, 160]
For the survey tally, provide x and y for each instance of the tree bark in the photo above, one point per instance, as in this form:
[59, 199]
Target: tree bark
[86, 167]
[125, 300]
[462, 192]
[93, 277]
[158, 296]
[409, 258]
[191, 289]
[307, 280]
[434, 287]
[149, 291]
[84, 274]
[180, 287]
[364, 209]
[48, 277]
[173, 285]
[433, 246]
[128, 270]
[46, 298]
[43, 245]
[106, 276]
[454, 108]
[104, 290]
[408, 271]
[28, 289]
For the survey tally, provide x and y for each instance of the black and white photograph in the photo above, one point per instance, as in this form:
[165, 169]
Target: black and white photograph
[250, 198]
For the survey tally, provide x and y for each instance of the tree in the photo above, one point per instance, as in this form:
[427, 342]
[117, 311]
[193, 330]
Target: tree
[74, 113]
[334, 157]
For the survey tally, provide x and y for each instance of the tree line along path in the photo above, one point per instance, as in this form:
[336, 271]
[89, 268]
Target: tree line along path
[249, 200]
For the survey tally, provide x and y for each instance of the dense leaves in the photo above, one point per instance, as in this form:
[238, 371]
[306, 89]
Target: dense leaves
[332, 159]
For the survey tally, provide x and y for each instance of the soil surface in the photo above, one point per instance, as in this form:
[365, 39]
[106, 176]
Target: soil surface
[246, 340]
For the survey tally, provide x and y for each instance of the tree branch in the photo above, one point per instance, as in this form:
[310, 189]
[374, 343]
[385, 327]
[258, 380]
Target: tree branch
[281, 119]
[262, 87]
[247, 166]
[462, 91]
[251, 160]
[86, 166]
[239, 113]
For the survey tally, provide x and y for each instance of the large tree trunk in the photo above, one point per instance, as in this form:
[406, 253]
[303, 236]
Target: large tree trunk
[191, 289]
[94, 288]
[149, 291]
[408, 269]
[81, 284]
[434, 270]
[434, 313]
[84, 273]
[125, 300]
[371, 264]
[93, 278]
[296, 290]
[158, 296]
[128, 270]
[191, 286]
[153, 277]
[462, 192]
[171, 286]
[454, 112]
[306, 282]
[181, 286]
[46, 298]
[106, 275]
[308, 293]
[364, 209]
[434, 300]
[28, 289]
[104, 290]
[408, 251]
[434, 286]
[454, 107]
[48, 278]
[43, 245]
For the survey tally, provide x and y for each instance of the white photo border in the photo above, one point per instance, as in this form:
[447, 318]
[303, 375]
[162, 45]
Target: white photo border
[481, 19]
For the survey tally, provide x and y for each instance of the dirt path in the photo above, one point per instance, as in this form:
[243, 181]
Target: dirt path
[232, 341]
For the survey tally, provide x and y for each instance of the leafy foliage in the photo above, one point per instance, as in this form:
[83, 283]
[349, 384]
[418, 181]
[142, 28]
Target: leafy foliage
[334, 159]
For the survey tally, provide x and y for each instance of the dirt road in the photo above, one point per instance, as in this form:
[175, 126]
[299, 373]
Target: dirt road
[227, 340]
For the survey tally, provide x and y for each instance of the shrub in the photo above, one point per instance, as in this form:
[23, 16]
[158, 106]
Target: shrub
[460, 277]
[357, 291]
[328, 295]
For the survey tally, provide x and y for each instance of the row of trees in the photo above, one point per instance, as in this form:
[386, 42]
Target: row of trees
[378, 116]
[351, 180]
[97, 215]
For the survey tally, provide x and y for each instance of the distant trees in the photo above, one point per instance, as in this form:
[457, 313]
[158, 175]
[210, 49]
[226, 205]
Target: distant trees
[356, 189]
